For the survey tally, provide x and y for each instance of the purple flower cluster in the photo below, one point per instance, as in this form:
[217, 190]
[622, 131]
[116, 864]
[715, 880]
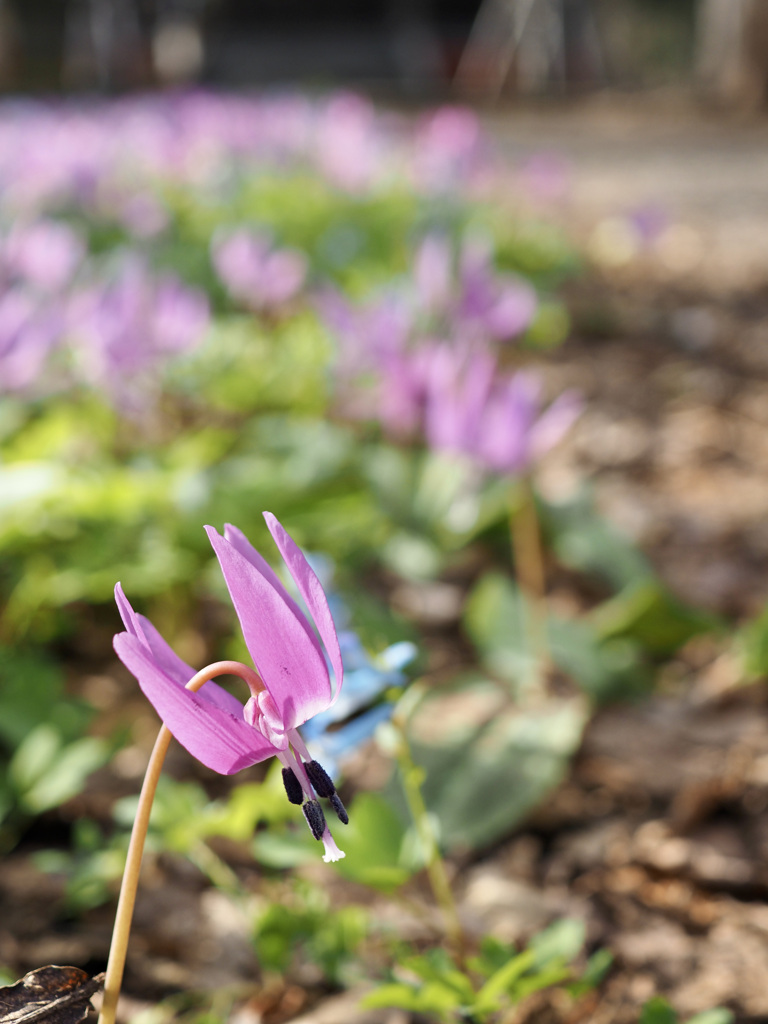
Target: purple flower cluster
[121, 332]
[474, 302]
[495, 419]
[108, 157]
[423, 361]
[61, 325]
[64, 321]
[256, 274]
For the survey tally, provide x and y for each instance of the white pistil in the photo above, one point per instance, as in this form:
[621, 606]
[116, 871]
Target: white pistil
[332, 852]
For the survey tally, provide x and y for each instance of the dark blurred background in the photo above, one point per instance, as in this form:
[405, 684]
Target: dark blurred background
[418, 48]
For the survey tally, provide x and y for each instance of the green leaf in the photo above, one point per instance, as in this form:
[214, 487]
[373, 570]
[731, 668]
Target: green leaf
[431, 998]
[497, 762]
[499, 621]
[550, 326]
[494, 954]
[646, 612]
[658, 1011]
[753, 643]
[583, 540]
[250, 804]
[717, 1016]
[284, 849]
[395, 994]
[31, 692]
[34, 757]
[605, 670]
[437, 966]
[66, 777]
[499, 984]
[550, 976]
[597, 967]
[503, 625]
[373, 841]
[178, 816]
[561, 941]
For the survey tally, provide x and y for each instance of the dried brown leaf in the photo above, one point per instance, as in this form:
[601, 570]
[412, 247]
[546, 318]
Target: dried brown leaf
[49, 995]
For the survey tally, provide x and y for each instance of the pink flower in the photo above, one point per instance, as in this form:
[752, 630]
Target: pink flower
[449, 148]
[255, 273]
[28, 334]
[45, 254]
[495, 306]
[348, 146]
[494, 419]
[123, 332]
[294, 682]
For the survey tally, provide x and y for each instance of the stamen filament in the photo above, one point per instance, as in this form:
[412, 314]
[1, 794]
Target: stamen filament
[130, 882]
[289, 759]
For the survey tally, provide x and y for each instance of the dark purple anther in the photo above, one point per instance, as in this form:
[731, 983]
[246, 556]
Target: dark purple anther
[320, 779]
[292, 786]
[313, 812]
[339, 807]
[324, 786]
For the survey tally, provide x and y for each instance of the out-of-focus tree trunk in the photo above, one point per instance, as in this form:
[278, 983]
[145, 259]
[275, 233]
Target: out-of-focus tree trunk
[732, 52]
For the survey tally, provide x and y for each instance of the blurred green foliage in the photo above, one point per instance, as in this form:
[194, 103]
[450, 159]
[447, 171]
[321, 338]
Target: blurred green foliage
[658, 1011]
[305, 925]
[494, 980]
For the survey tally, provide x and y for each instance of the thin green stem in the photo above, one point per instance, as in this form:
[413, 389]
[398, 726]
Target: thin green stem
[130, 883]
[435, 865]
[527, 550]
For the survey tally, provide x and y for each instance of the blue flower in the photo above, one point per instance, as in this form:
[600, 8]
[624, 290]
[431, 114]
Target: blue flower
[337, 732]
[334, 734]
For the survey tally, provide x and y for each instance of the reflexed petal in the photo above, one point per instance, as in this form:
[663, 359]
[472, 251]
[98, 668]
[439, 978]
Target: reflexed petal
[127, 614]
[291, 665]
[312, 592]
[167, 660]
[218, 739]
[238, 540]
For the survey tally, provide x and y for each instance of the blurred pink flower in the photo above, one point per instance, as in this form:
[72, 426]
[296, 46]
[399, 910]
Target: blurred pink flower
[133, 324]
[28, 333]
[347, 142]
[433, 273]
[494, 419]
[449, 147]
[401, 390]
[44, 253]
[365, 334]
[255, 273]
[497, 306]
[180, 315]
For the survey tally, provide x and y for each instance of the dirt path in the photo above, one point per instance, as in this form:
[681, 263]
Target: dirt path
[704, 171]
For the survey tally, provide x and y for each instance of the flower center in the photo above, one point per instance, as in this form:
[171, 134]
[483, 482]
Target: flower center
[261, 712]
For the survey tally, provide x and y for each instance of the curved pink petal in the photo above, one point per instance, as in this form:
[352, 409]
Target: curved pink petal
[218, 739]
[312, 592]
[238, 540]
[167, 660]
[127, 614]
[276, 633]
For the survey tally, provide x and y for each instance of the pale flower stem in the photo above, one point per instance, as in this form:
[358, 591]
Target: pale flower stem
[125, 904]
[435, 865]
[525, 535]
